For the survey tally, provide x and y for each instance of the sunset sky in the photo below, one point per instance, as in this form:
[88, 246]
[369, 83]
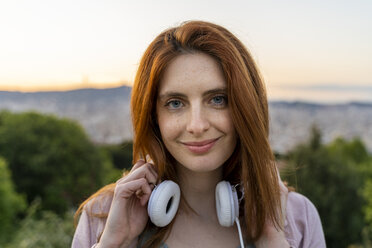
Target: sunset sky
[299, 45]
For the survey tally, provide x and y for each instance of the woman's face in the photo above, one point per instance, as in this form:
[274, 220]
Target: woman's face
[193, 113]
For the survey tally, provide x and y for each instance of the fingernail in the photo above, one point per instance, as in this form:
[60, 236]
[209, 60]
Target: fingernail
[149, 159]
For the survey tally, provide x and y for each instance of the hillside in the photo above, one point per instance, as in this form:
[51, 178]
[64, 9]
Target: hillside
[104, 113]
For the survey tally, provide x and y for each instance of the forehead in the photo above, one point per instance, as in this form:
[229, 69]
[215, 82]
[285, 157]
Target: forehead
[192, 72]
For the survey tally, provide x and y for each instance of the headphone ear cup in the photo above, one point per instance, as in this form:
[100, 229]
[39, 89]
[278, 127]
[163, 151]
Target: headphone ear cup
[227, 204]
[163, 203]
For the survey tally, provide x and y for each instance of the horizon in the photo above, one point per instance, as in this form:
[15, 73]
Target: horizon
[319, 94]
[100, 44]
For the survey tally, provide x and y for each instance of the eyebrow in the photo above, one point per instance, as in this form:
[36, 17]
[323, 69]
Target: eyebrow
[178, 94]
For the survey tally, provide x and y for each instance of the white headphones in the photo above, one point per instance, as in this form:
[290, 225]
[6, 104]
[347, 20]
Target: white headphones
[165, 198]
[163, 203]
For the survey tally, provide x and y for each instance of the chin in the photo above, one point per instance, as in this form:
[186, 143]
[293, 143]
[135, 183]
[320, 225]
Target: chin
[202, 163]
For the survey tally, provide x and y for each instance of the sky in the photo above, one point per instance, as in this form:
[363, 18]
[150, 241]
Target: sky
[304, 49]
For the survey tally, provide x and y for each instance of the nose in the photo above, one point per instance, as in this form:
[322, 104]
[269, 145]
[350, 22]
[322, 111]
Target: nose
[197, 122]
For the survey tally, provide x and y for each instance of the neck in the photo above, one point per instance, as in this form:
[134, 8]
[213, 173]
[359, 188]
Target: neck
[198, 189]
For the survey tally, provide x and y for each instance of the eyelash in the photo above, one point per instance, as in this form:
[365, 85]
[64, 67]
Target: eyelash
[224, 98]
[168, 103]
[219, 105]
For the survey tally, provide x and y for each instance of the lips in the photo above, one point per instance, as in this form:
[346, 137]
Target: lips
[201, 146]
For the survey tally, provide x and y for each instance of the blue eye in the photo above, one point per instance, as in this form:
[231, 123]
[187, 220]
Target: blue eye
[219, 100]
[174, 104]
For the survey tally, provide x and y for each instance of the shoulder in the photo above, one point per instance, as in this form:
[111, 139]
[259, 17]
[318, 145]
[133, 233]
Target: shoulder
[299, 205]
[99, 205]
[96, 211]
[92, 221]
[303, 226]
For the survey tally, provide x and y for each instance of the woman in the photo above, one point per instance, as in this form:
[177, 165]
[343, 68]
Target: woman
[200, 116]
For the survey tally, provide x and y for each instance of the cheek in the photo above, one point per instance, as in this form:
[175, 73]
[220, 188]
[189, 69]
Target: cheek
[170, 128]
[225, 124]
[229, 124]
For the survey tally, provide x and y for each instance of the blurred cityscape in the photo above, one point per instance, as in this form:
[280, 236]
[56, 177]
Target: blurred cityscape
[105, 115]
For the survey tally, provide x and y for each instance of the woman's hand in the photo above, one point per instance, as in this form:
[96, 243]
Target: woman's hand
[271, 237]
[128, 213]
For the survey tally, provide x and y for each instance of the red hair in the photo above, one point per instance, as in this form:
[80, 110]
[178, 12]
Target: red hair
[252, 163]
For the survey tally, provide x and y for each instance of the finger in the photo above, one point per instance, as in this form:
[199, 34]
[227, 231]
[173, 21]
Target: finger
[129, 189]
[154, 168]
[134, 167]
[150, 174]
[144, 199]
[149, 159]
[143, 172]
[141, 162]
[139, 193]
[146, 171]
[151, 168]
[138, 164]
[125, 172]
[152, 186]
[143, 193]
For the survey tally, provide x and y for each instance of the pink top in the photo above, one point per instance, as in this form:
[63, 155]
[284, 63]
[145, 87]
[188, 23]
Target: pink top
[303, 228]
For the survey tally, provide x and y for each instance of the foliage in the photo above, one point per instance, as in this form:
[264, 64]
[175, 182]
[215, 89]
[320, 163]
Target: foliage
[367, 193]
[11, 202]
[121, 155]
[110, 173]
[331, 176]
[43, 229]
[52, 158]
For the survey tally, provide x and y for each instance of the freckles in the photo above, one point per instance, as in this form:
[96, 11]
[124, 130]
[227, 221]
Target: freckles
[177, 127]
[171, 127]
[178, 123]
[223, 120]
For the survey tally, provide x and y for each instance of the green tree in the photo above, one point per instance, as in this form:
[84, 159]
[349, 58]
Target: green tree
[121, 155]
[332, 177]
[51, 158]
[367, 193]
[43, 229]
[11, 202]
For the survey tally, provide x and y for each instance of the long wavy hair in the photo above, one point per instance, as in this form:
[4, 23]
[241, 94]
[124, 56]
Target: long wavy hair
[252, 164]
